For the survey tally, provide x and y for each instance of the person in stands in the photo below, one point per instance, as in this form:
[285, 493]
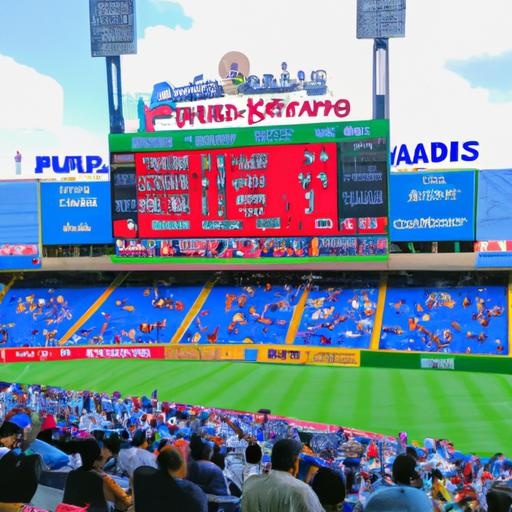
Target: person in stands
[165, 488]
[110, 451]
[253, 457]
[10, 435]
[499, 497]
[399, 498]
[89, 484]
[19, 473]
[404, 471]
[129, 459]
[330, 489]
[280, 490]
[207, 475]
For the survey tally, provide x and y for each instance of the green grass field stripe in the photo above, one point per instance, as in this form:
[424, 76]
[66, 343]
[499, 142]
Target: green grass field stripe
[246, 394]
[488, 413]
[199, 380]
[238, 396]
[296, 389]
[340, 392]
[361, 400]
[441, 406]
[407, 395]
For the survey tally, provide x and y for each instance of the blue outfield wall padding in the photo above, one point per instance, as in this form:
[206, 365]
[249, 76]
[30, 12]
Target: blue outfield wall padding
[494, 207]
[19, 212]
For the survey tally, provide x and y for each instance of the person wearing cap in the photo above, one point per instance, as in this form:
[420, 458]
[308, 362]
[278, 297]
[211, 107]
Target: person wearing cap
[499, 497]
[137, 455]
[398, 498]
[280, 490]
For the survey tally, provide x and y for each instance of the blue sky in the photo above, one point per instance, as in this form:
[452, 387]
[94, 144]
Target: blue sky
[52, 36]
[491, 72]
[458, 87]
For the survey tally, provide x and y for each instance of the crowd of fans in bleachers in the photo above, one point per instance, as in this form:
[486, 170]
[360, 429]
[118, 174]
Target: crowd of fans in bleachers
[67, 451]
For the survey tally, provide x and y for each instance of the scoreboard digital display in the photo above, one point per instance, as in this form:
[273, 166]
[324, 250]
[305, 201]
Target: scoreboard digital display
[327, 188]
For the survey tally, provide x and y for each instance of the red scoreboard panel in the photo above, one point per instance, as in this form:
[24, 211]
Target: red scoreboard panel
[287, 190]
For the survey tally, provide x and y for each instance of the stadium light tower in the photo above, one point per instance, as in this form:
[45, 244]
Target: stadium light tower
[113, 33]
[379, 20]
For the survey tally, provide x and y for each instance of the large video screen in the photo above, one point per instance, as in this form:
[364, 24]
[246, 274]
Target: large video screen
[298, 191]
[285, 191]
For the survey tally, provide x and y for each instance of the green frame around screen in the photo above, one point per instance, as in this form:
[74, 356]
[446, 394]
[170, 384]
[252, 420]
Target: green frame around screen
[302, 134]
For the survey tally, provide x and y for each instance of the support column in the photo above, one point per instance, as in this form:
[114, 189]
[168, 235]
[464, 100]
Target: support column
[115, 101]
[381, 79]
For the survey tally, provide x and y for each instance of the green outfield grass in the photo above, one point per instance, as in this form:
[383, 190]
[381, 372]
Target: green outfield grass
[474, 410]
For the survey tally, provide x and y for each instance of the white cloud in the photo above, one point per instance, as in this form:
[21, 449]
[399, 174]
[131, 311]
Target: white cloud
[428, 102]
[31, 120]
[28, 99]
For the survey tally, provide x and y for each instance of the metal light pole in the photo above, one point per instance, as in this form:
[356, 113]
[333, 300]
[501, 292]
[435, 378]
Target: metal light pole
[115, 96]
[113, 34]
[381, 78]
[379, 20]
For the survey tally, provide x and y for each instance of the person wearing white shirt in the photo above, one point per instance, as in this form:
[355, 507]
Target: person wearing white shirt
[280, 490]
[129, 459]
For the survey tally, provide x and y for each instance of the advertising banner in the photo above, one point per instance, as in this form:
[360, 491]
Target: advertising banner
[432, 206]
[250, 248]
[19, 226]
[76, 213]
[30, 165]
[309, 356]
[70, 353]
[267, 354]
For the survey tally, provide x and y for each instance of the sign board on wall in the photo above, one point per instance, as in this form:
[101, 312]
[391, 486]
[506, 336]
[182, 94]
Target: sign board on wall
[244, 111]
[19, 225]
[432, 206]
[76, 213]
[298, 182]
[55, 167]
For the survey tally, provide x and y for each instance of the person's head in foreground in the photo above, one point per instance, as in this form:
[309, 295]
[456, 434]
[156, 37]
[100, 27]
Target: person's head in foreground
[170, 459]
[330, 488]
[499, 497]
[404, 471]
[253, 454]
[285, 456]
[10, 435]
[398, 499]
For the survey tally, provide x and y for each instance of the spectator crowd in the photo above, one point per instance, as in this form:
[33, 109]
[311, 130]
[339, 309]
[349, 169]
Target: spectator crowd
[70, 451]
